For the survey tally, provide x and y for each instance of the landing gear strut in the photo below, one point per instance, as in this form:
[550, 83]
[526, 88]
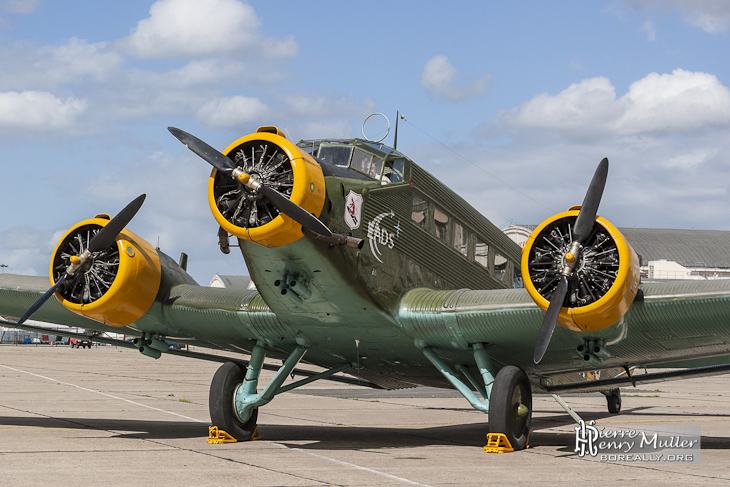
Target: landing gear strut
[507, 397]
[234, 399]
[510, 406]
[221, 403]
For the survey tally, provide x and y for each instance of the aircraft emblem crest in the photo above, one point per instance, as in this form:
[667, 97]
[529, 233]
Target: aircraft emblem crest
[353, 210]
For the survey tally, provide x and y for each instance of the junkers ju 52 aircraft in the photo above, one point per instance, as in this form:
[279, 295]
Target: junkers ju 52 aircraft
[366, 264]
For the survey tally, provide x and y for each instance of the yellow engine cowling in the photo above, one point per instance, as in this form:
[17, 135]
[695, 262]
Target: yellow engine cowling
[605, 281]
[117, 286]
[269, 157]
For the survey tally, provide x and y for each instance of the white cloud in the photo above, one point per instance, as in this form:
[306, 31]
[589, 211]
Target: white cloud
[681, 102]
[38, 111]
[78, 60]
[690, 159]
[48, 67]
[318, 130]
[322, 106]
[439, 78]
[232, 111]
[650, 30]
[19, 6]
[712, 16]
[188, 29]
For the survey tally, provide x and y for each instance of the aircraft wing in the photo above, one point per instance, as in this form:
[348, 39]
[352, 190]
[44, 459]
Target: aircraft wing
[669, 322]
[186, 308]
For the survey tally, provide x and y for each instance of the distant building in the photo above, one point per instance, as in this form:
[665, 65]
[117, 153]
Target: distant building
[233, 282]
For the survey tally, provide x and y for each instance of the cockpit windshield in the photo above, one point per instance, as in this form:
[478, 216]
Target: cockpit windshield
[377, 162]
[339, 155]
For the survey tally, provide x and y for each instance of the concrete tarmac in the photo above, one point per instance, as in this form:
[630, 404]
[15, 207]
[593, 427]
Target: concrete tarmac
[110, 416]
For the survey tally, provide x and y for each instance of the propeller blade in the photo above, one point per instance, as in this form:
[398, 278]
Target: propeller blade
[41, 300]
[207, 153]
[108, 234]
[589, 209]
[551, 318]
[295, 212]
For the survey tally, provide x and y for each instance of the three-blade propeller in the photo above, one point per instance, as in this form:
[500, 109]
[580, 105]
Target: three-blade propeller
[226, 166]
[581, 233]
[103, 239]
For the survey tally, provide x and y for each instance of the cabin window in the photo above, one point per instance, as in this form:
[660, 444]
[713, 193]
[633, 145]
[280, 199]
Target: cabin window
[335, 154]
[517, 282]
[500, 266]
[393, 172]
[481, 254]
[441, 224]
[461, 239]
[420, 210]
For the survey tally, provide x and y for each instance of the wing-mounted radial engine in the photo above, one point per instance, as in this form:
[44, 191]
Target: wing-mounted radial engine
[116, 285]
[102, 271]
[579, 269]
[265, 189]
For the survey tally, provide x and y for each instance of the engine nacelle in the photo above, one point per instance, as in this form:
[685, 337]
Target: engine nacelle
[605, 280]
[117, 285]
[270, 158]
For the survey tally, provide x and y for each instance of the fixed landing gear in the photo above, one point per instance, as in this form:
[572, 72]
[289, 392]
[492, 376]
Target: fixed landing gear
[507, 397]
[614, 401]
[510, 406]
[221, 403]
[234, 399]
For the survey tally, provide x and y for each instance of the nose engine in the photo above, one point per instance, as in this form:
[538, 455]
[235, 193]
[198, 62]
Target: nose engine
[268, 157]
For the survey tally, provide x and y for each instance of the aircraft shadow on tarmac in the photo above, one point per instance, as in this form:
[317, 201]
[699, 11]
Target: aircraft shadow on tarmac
[323, 437]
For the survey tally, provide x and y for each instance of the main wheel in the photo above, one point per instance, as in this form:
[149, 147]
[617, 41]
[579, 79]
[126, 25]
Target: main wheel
[510, 406]
[614, 401]
[221, 403]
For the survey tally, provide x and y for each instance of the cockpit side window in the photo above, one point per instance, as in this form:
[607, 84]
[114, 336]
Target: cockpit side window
[393, 171]
[362, 161]
[338, 155]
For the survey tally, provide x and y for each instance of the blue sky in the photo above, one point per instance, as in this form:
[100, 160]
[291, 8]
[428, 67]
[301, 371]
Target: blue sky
[512, 104]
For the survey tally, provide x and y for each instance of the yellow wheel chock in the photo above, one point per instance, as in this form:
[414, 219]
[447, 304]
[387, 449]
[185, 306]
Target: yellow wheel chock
[219, 436]
[498, 443]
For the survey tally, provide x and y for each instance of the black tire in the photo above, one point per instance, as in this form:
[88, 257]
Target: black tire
[614, 402]
[511, 388]
[220, 403]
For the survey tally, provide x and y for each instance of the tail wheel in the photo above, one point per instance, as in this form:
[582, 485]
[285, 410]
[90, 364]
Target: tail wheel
[614, 401]
[510, 406]
[221, 403]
